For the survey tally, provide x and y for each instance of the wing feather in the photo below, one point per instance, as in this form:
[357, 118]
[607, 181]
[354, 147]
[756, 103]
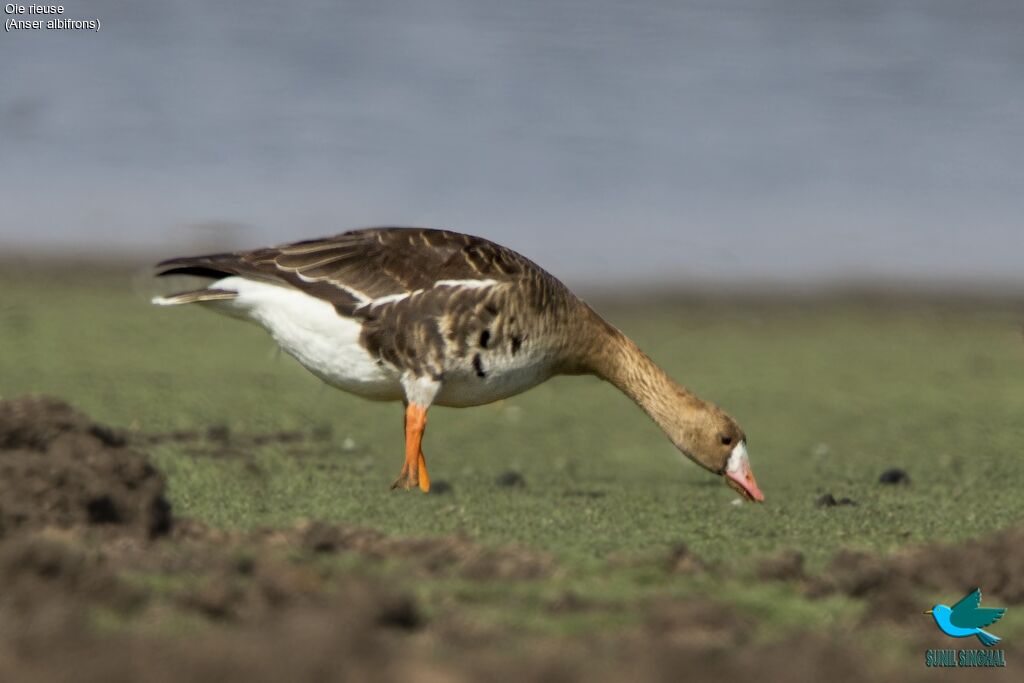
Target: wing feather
[354, 268]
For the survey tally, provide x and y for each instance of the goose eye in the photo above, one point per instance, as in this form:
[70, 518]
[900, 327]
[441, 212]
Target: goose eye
[726, 440]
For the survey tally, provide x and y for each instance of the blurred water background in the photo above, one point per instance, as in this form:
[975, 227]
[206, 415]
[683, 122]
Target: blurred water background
[613, 142]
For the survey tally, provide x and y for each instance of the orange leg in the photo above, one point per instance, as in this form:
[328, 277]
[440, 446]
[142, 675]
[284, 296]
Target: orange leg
[414, 471]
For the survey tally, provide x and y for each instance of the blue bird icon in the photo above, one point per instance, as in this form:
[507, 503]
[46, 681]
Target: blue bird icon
[966, 618]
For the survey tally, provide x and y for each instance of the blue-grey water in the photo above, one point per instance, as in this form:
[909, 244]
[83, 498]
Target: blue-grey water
[627, 141]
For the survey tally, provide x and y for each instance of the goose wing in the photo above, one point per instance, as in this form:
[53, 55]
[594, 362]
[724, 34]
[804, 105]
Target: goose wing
[364, 267]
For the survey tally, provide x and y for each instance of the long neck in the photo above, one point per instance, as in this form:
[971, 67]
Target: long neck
[617, 359]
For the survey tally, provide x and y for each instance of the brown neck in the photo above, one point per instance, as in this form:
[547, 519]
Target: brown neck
[616, 358]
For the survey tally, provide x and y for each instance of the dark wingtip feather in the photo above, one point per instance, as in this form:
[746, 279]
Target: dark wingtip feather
[198, 271]
[212, 266]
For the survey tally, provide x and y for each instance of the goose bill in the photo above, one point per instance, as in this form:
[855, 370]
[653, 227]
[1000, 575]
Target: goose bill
[738, 475]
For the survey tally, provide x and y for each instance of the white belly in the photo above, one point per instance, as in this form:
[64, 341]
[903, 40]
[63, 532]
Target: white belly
[311, 331]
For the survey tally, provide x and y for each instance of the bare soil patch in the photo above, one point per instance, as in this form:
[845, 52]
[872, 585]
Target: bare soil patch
[60, 469]
[936, 567]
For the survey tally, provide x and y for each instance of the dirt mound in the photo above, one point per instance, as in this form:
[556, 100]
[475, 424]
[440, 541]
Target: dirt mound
[788, 565]
[51, 586]
[246, 591]
[60, 469]
[194, 546]
[993, 562]
[270, 620]
[698, 623]
[274, 619]
[34, 423]
[448, 555]
[890, 584]
[681, 560]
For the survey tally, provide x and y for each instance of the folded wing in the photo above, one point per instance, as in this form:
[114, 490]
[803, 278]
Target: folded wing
[355, 269]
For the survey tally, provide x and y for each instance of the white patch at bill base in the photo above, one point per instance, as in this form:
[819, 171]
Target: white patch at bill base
[739, 461]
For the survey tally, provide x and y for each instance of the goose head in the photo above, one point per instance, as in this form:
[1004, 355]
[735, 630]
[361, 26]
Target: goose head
[714, 441]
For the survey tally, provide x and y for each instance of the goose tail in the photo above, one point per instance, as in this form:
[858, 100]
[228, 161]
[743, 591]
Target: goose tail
[194, 296]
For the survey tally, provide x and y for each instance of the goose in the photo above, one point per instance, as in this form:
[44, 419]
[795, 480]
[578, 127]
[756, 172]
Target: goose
[435, 317]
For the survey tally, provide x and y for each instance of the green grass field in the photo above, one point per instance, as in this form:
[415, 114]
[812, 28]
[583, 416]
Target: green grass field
[830, 395]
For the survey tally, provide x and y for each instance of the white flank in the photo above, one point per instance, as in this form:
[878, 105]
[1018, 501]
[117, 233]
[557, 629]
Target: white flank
[312, 331]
